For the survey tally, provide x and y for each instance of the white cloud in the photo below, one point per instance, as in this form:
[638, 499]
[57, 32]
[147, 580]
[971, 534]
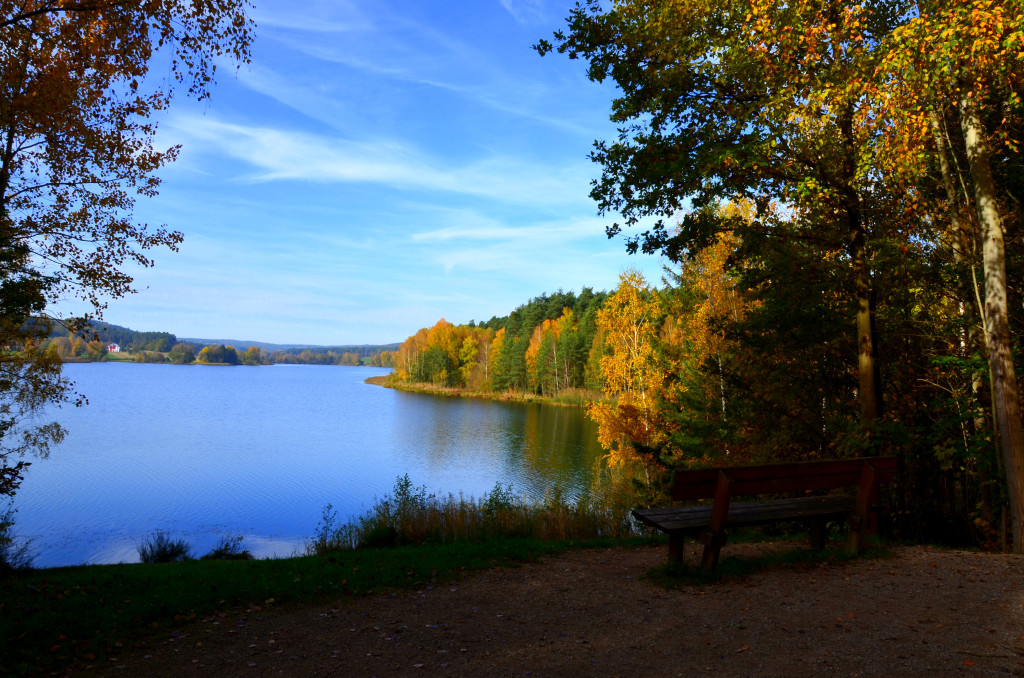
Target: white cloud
[525, 11]
[391, 48]
[316, 16]
[546, 233]
[385, 44]
[280, 155]
[553, 251]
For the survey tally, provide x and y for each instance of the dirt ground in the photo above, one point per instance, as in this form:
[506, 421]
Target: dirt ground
[924, 612]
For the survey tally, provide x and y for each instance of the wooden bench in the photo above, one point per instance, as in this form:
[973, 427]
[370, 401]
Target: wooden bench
[708, 524]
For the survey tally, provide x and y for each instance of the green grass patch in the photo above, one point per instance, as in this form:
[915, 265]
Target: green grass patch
[51, 618]
[733, 569]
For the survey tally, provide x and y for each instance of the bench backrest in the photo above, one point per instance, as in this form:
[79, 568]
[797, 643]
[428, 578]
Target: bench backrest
[776, 478]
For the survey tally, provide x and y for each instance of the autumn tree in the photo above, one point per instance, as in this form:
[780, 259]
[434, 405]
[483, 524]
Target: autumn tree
[474, 357]
[63, 346]
[972, 55]
[218, 354]
[632, 372]
[542, 355]
[77, 116]
[252, 356]
[77, 128]
[97, 350]
[722, 101]
[407, 365]
[495, 377]
[441, 356]
[702, 302]
[182, 354]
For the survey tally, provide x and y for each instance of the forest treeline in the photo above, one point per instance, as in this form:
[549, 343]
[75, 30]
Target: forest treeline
[373, 355]
[91, 343]
[543, 347]
[108, 333]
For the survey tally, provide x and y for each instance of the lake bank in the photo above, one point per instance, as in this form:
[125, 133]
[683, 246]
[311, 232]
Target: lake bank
[569, 398]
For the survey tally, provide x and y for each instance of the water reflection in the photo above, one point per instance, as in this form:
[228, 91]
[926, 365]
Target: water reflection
[535, 448]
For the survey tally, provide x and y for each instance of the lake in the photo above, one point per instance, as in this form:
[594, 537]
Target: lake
[202, 452]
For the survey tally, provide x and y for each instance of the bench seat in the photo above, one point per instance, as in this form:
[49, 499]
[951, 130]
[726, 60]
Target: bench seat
[746, 514]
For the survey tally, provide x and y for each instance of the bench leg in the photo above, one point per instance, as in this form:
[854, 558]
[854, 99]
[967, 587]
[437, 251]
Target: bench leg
[855, 539]
[853, 542]
[818, 534]
[675, 548]
[859, 529]
[710, 559]
[712, 547]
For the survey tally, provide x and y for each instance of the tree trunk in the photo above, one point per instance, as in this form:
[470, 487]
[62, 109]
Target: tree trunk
[971, 339]
[1006, 407]
[870, 389]
[868, 386]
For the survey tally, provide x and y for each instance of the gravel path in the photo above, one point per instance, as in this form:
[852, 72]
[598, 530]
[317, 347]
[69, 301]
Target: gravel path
[924, 612]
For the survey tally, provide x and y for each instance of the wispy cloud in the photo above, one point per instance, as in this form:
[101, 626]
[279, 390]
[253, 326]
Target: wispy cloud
[546, 233]
[316, 16]
[525, 11]
[384, 43]
[394, 48]
[541, 250]
[279, 155]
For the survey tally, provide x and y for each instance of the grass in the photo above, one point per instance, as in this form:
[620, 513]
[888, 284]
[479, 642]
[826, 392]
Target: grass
[50, 618]
[412, 516]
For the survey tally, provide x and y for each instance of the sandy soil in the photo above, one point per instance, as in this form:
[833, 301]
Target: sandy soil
[924, 612]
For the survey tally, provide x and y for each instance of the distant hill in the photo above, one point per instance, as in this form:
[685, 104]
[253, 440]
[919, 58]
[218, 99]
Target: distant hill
[244, 344]
[361, 349]
[130, 339]
[126, 338]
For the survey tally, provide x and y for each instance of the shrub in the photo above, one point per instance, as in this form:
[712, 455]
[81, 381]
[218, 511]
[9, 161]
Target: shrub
[379, 537]
[149, 357]
[159, 548]
[229, 548]
[13, 555]
[330, 537]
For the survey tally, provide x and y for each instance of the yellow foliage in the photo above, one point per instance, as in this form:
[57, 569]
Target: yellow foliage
[632, 374]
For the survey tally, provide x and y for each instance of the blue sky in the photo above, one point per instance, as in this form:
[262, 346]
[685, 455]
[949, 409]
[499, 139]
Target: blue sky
[378, 166]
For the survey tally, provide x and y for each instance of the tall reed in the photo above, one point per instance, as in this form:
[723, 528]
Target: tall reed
[410, 515]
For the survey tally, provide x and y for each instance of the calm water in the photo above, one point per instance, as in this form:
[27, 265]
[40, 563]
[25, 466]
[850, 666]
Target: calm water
[202, 452]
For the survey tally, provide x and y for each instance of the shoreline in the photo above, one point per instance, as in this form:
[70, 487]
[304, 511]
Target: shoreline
[504, 396]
